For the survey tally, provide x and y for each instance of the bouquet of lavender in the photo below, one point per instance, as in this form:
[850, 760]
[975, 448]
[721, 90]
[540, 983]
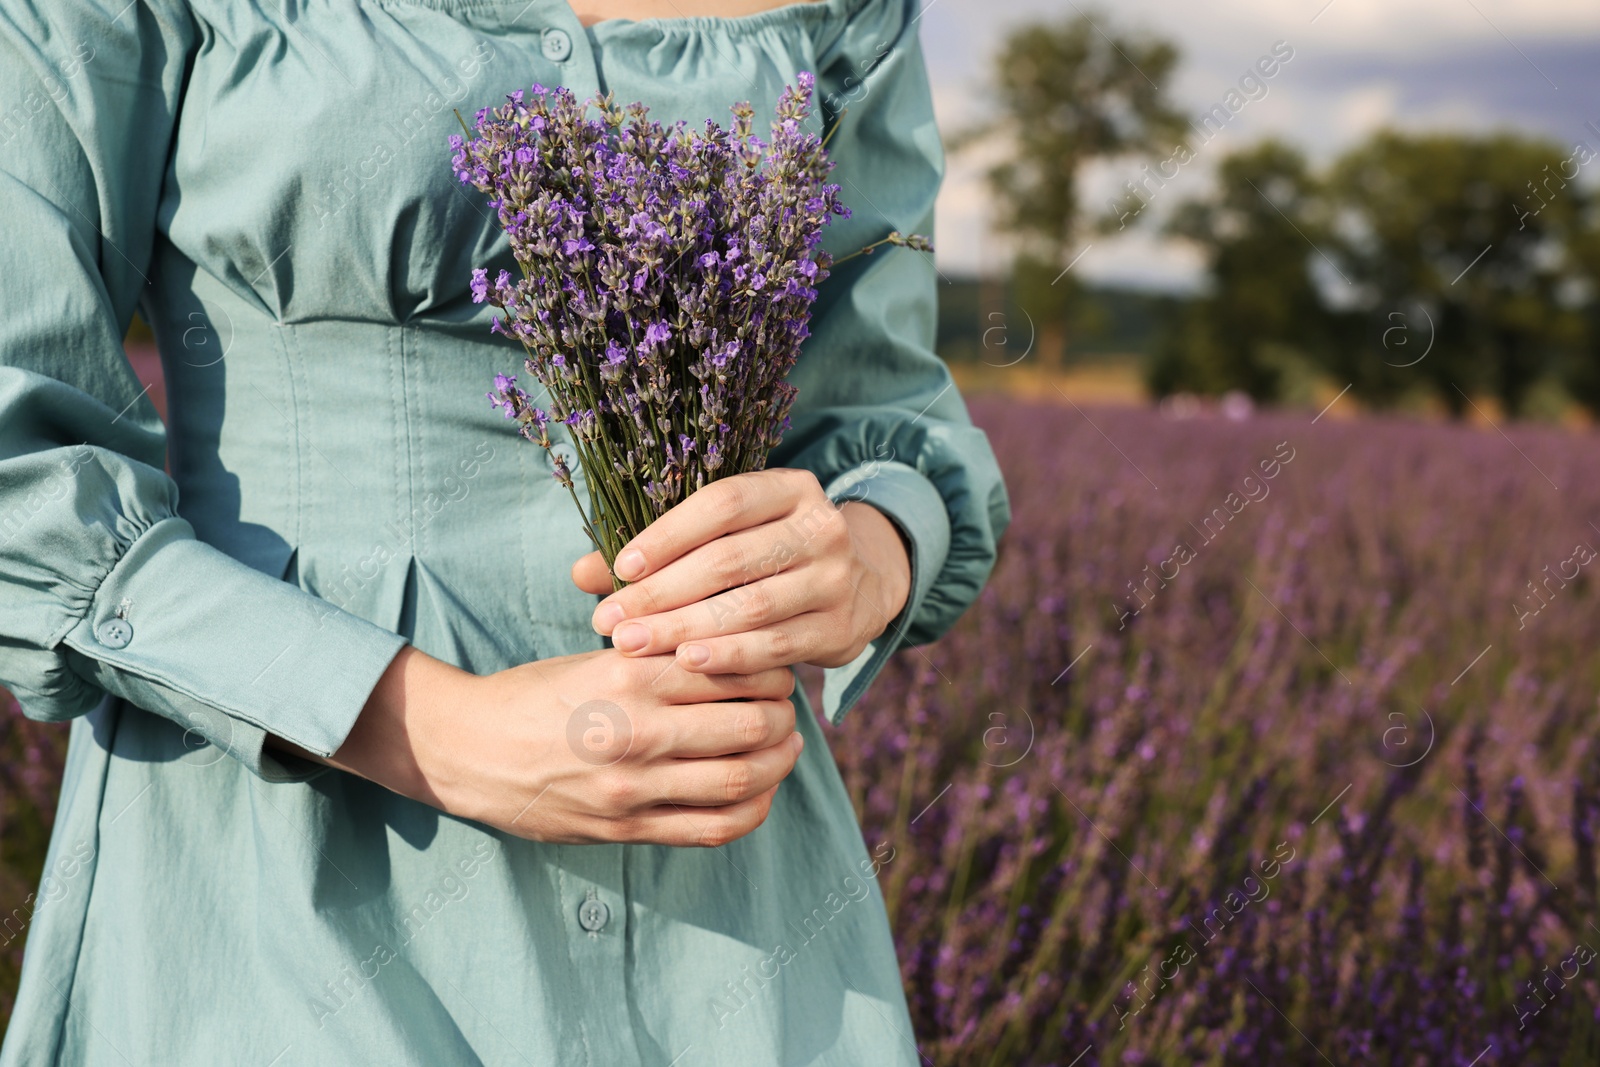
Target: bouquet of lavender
[667, 276]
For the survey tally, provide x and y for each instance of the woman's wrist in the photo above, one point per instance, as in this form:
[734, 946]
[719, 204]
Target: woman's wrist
[393, 740]
[886, 553]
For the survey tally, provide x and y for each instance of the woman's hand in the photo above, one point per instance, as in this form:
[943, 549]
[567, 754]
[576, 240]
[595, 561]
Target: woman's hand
[753, 572]
[580, 749]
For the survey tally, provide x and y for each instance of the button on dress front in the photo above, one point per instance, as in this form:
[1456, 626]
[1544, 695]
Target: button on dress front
[269, 184]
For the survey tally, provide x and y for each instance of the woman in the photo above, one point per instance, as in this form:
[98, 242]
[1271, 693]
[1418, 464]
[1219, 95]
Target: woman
[354, 775]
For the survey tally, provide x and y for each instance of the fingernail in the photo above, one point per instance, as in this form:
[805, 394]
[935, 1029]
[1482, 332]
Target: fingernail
[631, 636]
[696, 655]
[630, 565]
[798, 742]
[606, 617]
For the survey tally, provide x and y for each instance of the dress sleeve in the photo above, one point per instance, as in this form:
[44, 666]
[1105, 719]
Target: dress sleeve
[878, 417]
[104, 588]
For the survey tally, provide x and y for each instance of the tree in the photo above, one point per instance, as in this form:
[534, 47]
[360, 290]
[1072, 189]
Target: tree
[1070, 93]
[1581, 373]
[1469, 231]
[1257, 232]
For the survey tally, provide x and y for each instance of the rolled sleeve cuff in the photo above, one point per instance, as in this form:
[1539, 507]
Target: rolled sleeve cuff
[915, 506]
[180, 628]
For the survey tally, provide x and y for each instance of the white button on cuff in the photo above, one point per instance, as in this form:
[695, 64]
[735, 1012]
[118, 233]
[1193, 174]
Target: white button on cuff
[114, 633]
[556, 45]
[565, 453]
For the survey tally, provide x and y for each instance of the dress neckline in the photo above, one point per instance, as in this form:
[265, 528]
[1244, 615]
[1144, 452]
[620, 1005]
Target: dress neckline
[777, 9]
[731, 25]
[795, 10]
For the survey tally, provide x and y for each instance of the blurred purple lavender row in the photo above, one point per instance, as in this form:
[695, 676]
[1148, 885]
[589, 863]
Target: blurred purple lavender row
[31, 757]
[1082, 850]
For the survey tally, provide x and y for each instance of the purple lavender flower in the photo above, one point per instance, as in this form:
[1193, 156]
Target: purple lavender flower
[656, 334]
[506, 394]
[611, 367]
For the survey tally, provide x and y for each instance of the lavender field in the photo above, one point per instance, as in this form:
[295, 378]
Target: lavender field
[1270, 742]
[1203, 843]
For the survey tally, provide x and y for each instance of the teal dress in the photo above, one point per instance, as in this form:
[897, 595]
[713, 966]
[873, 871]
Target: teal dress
[269, 184]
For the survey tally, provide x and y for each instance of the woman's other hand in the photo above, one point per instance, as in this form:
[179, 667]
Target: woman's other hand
[594, 747]
[753, 572]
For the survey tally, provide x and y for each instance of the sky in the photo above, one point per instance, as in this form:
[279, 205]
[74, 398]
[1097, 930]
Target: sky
[1358, 66]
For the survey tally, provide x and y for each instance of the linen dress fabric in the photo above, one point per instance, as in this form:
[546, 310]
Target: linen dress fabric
[270, 185]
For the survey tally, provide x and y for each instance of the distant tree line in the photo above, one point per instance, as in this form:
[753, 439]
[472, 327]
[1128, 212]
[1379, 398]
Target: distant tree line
[1452, 264]
[1463, 265]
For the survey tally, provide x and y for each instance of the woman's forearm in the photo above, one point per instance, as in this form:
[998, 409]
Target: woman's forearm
[392, 737]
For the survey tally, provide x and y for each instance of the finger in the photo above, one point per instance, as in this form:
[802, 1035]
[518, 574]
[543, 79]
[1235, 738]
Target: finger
[722, 780]
[726, 563]
[663, 680]
[591, 575]
[749, 607]
[713, 511]
[670, 824]
[700, 731]
[814, 637]
[681, 687]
